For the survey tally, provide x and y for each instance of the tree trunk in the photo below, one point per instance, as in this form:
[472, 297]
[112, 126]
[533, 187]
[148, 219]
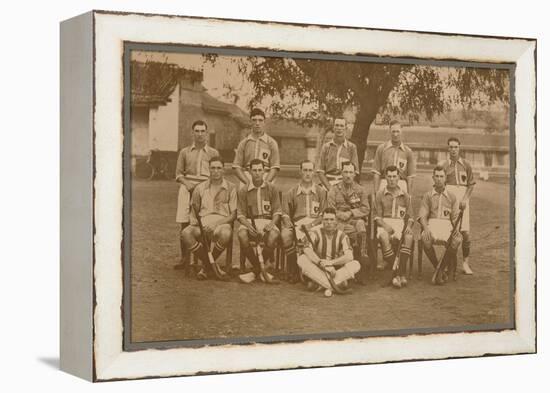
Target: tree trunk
[359, 136]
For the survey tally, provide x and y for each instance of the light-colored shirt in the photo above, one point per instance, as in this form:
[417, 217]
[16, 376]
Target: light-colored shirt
[332, 156]
[299, 202]
[208, 200]
[264, 148]
[442, 205]
[354, 198]
[262, 201]
[389, 205]
[459, 172]
[401, 156]
[194, 163]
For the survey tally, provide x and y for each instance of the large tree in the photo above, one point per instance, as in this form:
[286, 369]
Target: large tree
[298, 88]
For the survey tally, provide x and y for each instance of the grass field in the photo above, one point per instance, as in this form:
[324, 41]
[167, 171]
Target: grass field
[167, 306]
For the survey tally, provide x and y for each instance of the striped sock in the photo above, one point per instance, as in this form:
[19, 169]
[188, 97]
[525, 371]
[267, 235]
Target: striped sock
[218, 249]
[388, 255]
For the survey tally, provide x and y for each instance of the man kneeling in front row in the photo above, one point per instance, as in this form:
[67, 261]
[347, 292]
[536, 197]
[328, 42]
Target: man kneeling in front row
[331, 252]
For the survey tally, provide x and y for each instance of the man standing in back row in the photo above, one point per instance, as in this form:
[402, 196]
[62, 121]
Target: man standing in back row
[460, 181]
[394, 152]
[334, 154]
[260, 146]
[192, 168]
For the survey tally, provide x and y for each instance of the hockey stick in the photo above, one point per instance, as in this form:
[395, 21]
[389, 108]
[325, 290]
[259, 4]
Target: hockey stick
[333, 284]
[206, 244]
[258, 249]
[437, 276]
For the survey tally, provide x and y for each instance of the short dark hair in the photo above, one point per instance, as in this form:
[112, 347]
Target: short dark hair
[438, 168]
[390, 168]
[257, 112]
[347, 163]
[306, 162]
[256, 161]
[216, 159]
[329, 210]
[199, 123]
[394, 122]
[453, 139]
[339, 117]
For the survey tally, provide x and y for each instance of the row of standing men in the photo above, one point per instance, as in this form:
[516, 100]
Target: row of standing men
[332, 213]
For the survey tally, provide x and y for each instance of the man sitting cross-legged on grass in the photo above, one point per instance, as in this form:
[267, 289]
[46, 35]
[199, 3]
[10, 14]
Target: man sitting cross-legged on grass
[215, 200]
[302, 205]
[438, 211]
[260, 200]
[331, 250]
[350, 200]
[392, 206]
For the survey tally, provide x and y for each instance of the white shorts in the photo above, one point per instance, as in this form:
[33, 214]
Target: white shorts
[459, 192]
[440, 229]
[260, 225]
[395, 223]
[401, 183]
[182, 212]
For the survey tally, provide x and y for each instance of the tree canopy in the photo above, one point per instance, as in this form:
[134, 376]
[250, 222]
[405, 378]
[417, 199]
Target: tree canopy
[303, 88]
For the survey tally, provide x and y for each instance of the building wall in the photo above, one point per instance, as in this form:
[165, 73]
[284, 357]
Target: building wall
[479, 159]
[163, 124]
[292, 150]
[140, 126]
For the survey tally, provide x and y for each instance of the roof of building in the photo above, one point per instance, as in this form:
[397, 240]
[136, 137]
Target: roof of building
[153, 82]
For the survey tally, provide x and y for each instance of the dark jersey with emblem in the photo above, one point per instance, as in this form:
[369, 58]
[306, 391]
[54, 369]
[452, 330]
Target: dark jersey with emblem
[442, 205]
[299, 203]
[389, 205]
[459, 172]
[263, 201]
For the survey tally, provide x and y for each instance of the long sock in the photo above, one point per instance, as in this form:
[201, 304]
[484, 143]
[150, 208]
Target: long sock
[183, 250]
[201, 253]
[218, 249]
[430, 253]
[403, 259]
[363, 243]
[291, 258]
[465, 244]
[253, 259]
[267, 253]
[388, 256]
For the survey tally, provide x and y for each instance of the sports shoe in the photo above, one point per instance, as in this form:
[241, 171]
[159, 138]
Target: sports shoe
[201, 275]
[466, 268]
[403, 281]
[396, 282]
[247, 278]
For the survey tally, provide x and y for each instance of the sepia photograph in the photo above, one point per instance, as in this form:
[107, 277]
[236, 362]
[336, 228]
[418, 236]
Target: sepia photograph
[283, 196]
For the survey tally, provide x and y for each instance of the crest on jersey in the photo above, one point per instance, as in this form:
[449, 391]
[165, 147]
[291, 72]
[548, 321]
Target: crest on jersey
[264, 154]
[315, 208]
[266, 206]
[402, 164]
[446, 213]
[341, 161]
[354, 199]
[401, 211]
[463, 177]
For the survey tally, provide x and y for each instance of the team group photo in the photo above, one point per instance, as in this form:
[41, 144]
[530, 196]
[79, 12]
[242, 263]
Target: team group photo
[284, 198]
